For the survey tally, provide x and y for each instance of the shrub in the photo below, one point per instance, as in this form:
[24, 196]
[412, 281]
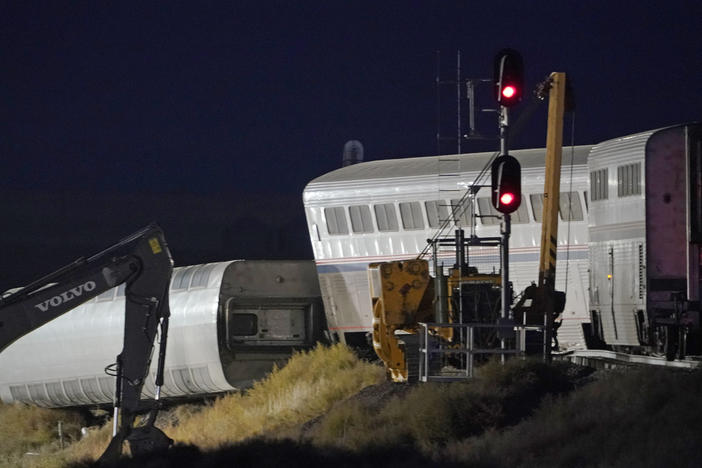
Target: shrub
[305, 388]
[634, 418]
[28, 432]
[432, 415]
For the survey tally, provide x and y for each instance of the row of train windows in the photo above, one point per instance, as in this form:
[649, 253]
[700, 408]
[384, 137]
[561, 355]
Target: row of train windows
[89, 390]
[98, 390]
[438, 212]
[628, 182]
[196, 276]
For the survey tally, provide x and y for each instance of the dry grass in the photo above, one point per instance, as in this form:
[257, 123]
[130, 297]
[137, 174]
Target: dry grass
[29, 435]
[520, 415]
[431, 415]
[305, 388]
[527, 414]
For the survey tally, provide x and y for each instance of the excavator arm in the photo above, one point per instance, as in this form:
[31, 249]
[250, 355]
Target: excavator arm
[401, 294]
[144, 263]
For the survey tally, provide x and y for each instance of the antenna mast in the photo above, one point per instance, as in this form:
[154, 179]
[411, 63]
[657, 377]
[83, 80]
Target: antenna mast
[458, 83]
[471, 84]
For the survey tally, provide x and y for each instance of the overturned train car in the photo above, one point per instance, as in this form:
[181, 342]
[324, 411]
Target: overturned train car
[230, 323]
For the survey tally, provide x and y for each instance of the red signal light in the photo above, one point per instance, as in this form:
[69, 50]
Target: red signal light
[509, 91]
[506, 184]
[508, 78]
[506, 198]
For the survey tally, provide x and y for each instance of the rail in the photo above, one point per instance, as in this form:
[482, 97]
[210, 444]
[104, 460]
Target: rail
[605, 359]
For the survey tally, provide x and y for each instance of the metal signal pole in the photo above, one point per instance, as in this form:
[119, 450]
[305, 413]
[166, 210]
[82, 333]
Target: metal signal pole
[506, 225]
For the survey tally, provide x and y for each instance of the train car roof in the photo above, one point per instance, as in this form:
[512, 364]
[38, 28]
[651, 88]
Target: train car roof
[636, 142]
[428, 165]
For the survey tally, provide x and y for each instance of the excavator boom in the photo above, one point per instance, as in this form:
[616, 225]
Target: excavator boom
[143, 262]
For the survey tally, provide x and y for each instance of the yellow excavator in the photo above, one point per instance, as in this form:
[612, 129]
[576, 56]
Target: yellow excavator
[404, 294]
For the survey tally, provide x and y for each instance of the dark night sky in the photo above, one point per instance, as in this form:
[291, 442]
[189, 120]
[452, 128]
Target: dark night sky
[242, 100]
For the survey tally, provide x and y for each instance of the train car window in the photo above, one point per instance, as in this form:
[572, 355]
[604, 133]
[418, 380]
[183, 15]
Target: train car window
[570, 207]
[537, 205]
[386, 217]
[107, 295]
[462, 212]
[437, 212]
[629, 180]
[336, 220]
[37, 392]
[183, 380]
[107, 386]
[599, 184]
[360, 218]
[490, 216]
[91, 389]
[201, 276]
[243, 324]
[411, 214]
[181, 279]
[73, 391]
[55, 391]
[19, 392]
[521, 216]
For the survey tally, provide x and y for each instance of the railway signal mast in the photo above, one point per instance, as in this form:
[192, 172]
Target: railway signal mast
[506, 171]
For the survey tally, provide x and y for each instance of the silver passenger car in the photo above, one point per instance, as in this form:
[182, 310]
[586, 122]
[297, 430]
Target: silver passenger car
[230, 323]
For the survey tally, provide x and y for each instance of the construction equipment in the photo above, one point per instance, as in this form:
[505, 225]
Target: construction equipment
[405, 295]
[402, 296]
[541, 303]
[143, 263]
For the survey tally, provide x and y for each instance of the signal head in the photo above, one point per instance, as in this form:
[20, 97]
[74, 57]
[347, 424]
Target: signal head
[508, 77]
[506, 184]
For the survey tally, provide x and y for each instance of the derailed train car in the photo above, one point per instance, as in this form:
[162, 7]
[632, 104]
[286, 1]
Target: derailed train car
[645, 241]
[629, 238]
[230, 323]
[386, 210]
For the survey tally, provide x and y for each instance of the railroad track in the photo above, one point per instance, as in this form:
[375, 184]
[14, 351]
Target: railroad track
[603, 359]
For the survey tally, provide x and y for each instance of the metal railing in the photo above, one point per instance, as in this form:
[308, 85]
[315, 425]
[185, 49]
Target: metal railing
[434, 351]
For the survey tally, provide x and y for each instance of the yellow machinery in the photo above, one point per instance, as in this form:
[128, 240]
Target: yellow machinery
[404, 294]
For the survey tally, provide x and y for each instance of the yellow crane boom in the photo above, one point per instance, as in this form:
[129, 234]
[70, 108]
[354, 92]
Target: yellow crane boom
[552, 185]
